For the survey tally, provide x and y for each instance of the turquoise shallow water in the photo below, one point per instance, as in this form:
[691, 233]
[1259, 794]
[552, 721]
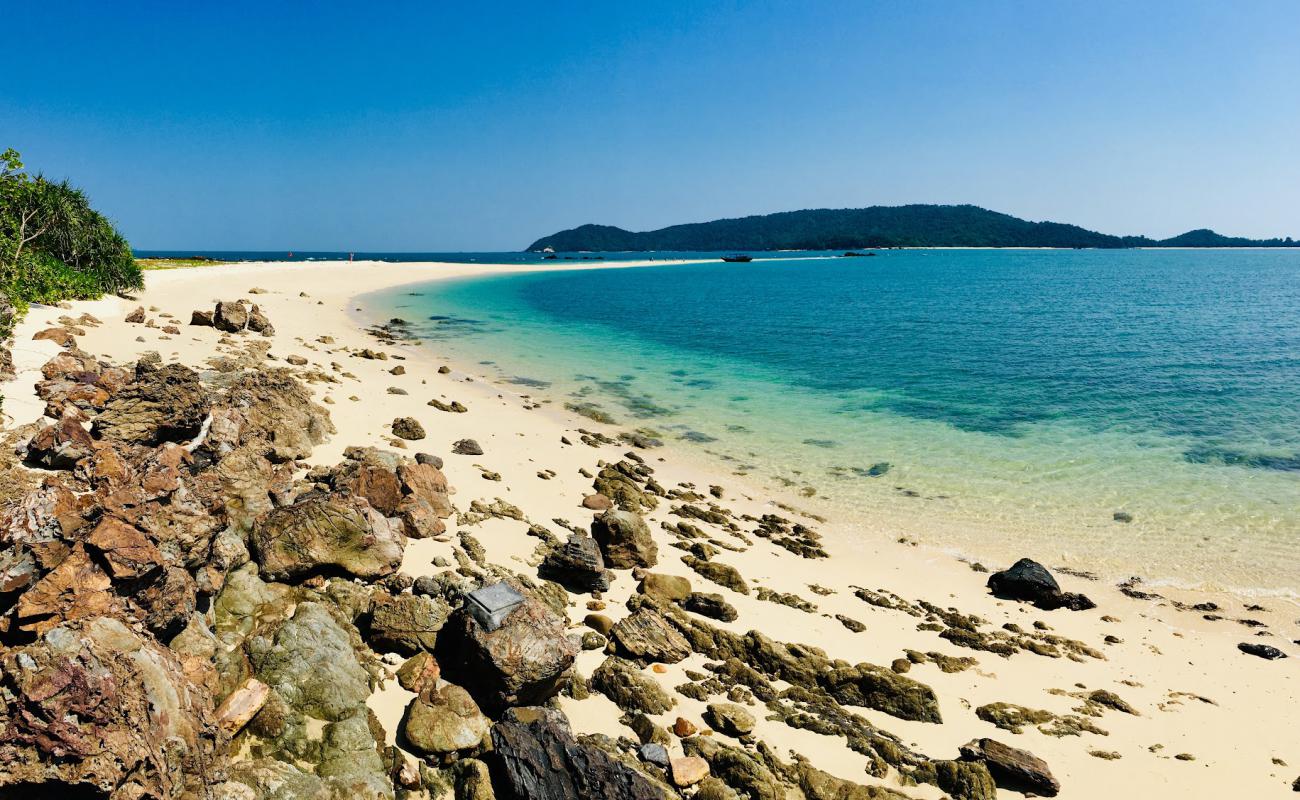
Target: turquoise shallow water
[992, 402]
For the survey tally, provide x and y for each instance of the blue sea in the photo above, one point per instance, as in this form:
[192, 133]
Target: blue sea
[1131, 412]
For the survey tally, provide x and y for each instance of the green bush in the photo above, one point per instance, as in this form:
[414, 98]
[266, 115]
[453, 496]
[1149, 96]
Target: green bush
[53, 245]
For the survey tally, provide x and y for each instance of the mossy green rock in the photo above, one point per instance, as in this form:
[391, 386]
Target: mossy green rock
[629, 688]
[327, 534]
[717, 572]
[311, 662]
[729, 719]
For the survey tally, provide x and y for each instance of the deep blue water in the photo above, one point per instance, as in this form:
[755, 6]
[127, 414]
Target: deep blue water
[1019, 388]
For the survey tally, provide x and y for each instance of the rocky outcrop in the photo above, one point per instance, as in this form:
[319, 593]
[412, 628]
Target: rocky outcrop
[162, 404]
[538, 757]
[624, 540]
[96, 708]
[275, 411]
[1030, 581]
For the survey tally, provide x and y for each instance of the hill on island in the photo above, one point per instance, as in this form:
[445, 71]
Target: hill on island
[876, 226]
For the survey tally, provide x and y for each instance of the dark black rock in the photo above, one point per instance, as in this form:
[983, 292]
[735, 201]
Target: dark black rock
[429, 458]
[536, 755]
[1030, 581]
[577, 565]
[1012, 768]
[1261, 650]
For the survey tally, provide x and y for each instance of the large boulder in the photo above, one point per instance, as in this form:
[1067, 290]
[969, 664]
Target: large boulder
[310, 661]
[624, 540]
[537, 756]
[162, 404]
[1030, 581]
[230, 316]
[525, 660]
[95, 709]
[445, 721]
[327, 534]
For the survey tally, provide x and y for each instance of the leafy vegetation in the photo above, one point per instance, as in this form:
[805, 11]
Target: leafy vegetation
[877, 226]
[53, 245]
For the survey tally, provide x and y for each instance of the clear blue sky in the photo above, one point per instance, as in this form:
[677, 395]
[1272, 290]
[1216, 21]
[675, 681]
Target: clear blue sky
[468, 126]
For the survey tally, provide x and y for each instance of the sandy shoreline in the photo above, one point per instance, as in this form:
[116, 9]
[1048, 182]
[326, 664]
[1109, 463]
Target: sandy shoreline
[1157, 657]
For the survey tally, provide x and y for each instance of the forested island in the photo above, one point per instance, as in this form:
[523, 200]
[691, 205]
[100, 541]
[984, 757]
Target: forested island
[876, 226]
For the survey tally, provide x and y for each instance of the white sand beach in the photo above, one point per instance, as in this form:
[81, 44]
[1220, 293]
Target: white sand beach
[1199, 718]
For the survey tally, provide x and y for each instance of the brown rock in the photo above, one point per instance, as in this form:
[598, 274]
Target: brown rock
[525, 660]
[625, 540]
[127, 552]
[136, 316]
[60, 336]
[93, 708]
[665, 588]
[408, 428]
[684, 727]
[445, 721]
[61, 444]
[77, 588]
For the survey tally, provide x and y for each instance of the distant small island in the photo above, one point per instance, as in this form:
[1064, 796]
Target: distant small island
[873, 227]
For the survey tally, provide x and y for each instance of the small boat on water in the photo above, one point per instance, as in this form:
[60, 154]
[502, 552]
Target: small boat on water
[737, 258]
